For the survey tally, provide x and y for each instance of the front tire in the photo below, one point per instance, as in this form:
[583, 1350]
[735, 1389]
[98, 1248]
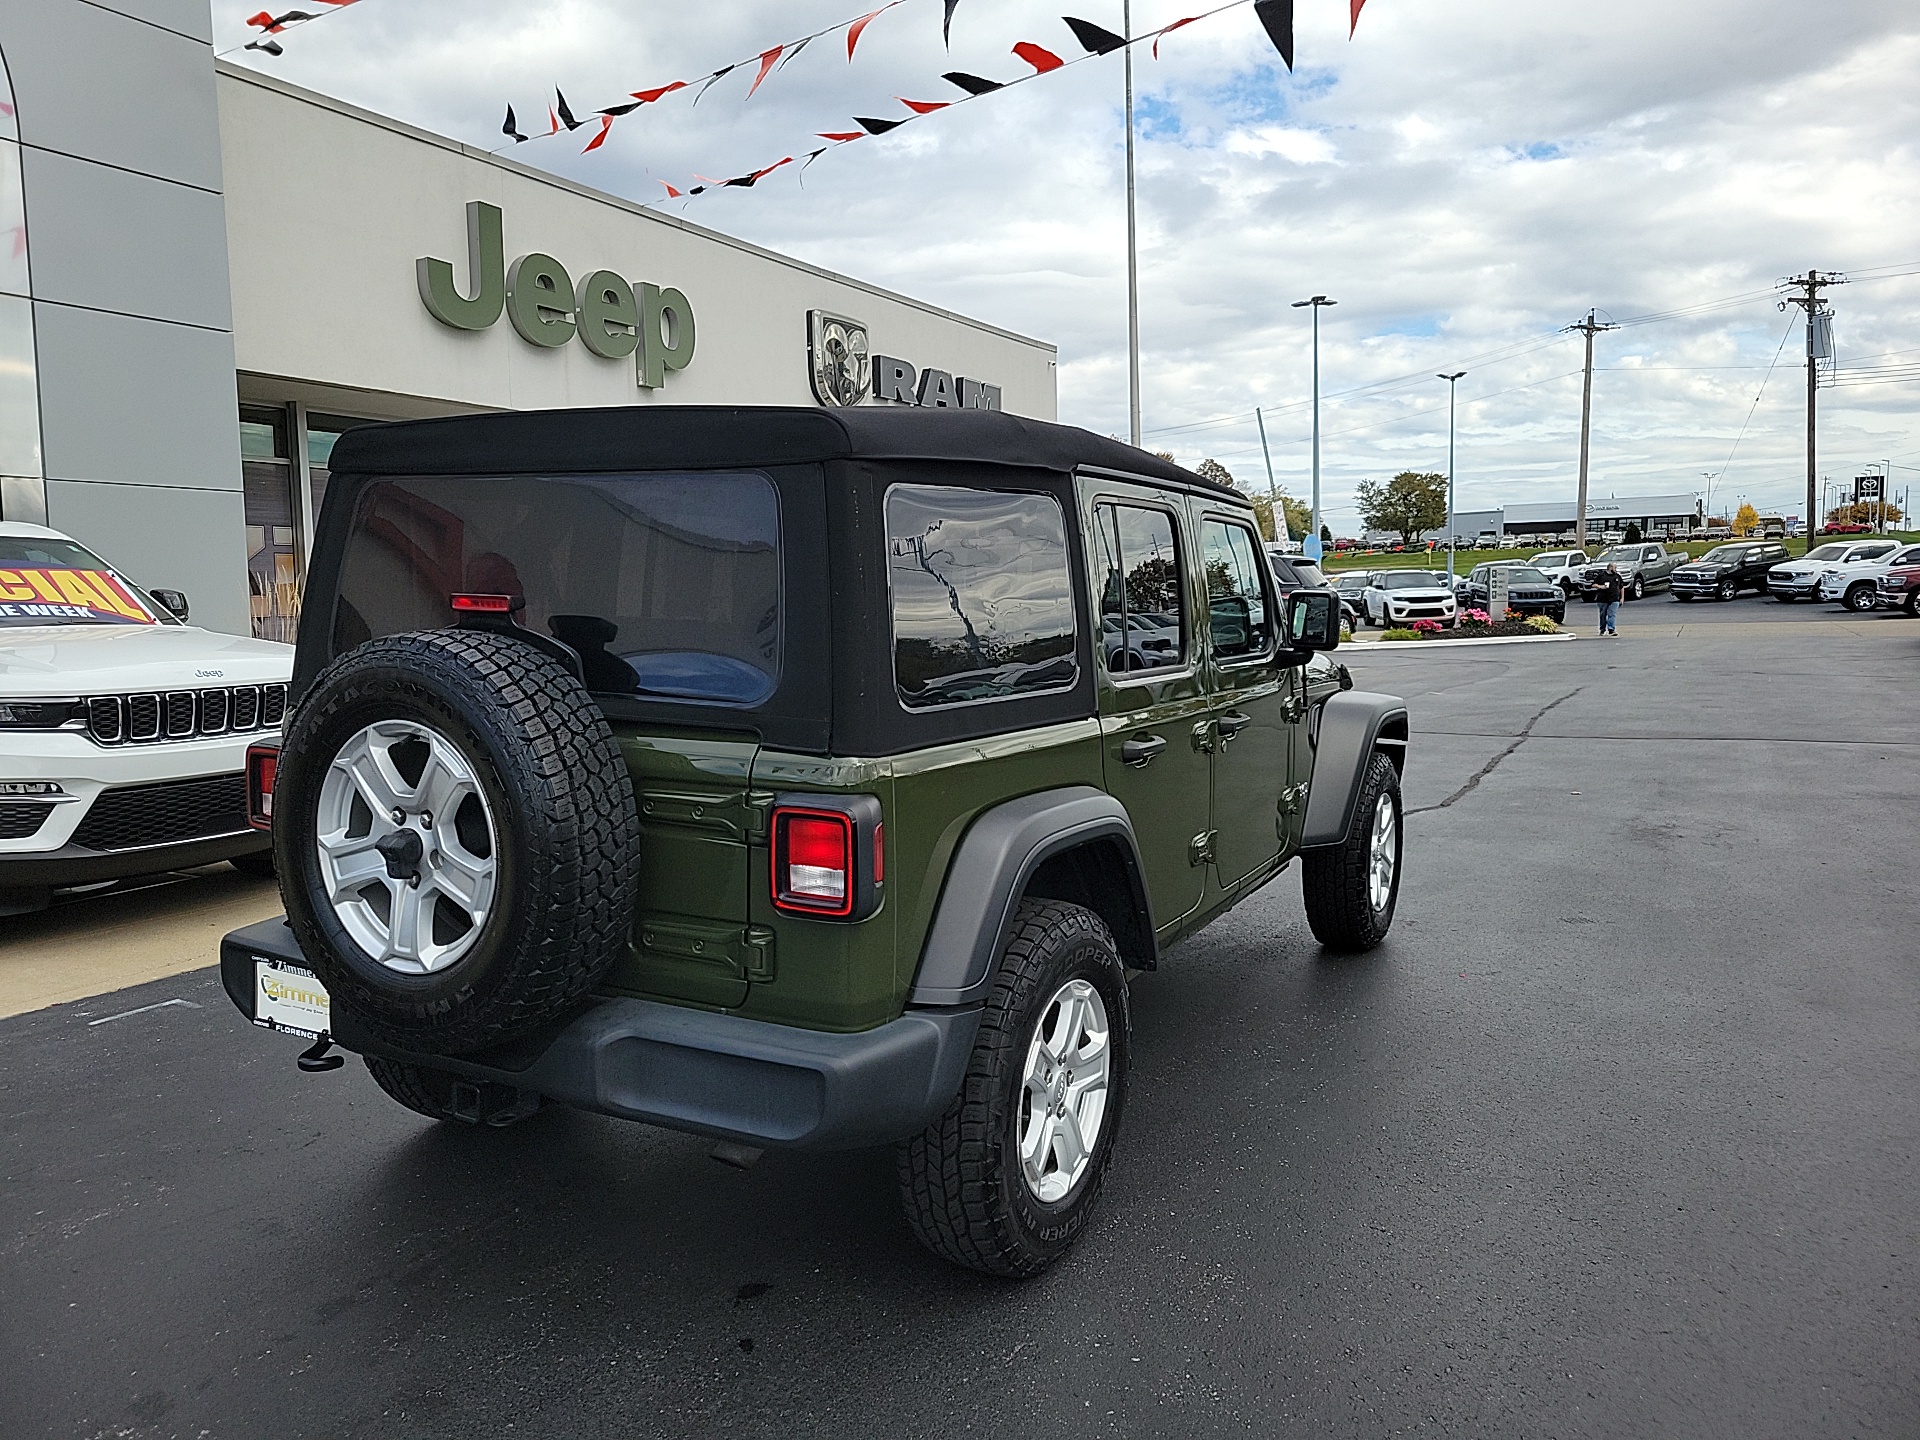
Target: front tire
[1728, 589]
[1006, 1180]
[1351, 888]
[1859, 598]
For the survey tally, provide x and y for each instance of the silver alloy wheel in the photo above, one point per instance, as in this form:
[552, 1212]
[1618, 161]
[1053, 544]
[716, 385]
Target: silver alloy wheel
[1063, 1100]
[407, 846]
[1383, 854]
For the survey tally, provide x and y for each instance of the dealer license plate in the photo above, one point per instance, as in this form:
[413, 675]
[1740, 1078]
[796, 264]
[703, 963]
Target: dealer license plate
[288, 997]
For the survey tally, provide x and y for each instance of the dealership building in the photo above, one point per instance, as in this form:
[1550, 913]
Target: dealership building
[1656, 515]
[207, 275]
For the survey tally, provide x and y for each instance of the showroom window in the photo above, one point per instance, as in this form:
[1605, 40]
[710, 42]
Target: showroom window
[23, 493]
[273, 558]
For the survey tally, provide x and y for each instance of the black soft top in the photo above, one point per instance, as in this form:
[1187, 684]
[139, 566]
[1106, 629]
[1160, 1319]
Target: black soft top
[702, 437]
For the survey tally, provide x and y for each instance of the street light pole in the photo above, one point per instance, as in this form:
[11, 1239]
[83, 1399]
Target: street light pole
[1133, 252]
[1453, 388]
[1312, 548]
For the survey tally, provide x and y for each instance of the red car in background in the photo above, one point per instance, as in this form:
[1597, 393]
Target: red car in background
[1900, 590]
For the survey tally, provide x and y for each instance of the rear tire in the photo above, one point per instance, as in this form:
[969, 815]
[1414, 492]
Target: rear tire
[971, 1194]
[1349, 901]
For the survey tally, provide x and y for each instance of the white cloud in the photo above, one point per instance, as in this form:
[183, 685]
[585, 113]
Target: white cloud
[1501, 167]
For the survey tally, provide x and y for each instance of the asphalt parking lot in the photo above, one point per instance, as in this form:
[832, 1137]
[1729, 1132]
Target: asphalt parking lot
[1619, 1134]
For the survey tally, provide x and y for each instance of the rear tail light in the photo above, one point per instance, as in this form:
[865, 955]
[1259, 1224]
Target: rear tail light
[828, 856]
[486, 604]
[263, 766]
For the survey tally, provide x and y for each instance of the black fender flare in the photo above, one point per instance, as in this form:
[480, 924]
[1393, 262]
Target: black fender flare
[1350, 727]
[989, 872]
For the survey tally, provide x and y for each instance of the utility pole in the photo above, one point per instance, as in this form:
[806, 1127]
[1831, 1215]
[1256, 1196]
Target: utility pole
[1133, 251]
[1312, 548]
[1273, 496]
[1808, 290]
[1588, 327]
[1453, 387]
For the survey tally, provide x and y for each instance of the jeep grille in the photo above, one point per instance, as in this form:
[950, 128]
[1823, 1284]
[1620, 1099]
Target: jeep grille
[184, 714]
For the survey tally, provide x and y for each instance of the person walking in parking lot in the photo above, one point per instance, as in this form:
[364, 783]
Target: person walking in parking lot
[1612, 588]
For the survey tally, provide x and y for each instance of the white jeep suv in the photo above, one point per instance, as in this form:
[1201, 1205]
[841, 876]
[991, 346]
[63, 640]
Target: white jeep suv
[123, 730]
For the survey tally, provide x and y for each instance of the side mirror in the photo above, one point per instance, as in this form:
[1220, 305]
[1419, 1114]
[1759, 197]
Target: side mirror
[174, 602]
[1313, 620]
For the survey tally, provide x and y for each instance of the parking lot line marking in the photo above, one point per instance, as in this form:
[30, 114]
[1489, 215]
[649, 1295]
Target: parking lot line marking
[188, 1004]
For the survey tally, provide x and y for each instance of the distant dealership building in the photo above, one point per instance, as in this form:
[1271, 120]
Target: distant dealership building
[207, 275]
[1654, 514]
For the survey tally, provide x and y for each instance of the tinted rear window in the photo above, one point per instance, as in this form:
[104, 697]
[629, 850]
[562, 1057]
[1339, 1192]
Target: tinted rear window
[983, 604]
[667, 584]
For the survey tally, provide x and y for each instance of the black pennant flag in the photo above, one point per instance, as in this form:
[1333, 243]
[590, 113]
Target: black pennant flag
[1093, 39]
[1277, 18]
[619, 109]
[566, 115]
[876, 127]
[512, 127]
[946, 25]
[972, 84]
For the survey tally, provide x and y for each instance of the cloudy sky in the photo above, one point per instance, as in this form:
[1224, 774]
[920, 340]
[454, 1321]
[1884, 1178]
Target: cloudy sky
[1466, 178]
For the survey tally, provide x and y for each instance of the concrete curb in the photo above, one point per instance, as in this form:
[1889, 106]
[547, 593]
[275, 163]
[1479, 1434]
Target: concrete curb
[1462, 644]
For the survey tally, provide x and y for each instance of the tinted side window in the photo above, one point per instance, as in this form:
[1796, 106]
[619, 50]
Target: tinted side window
[668, 585]
[1236, 597]
[982, 595]
[1137, 564]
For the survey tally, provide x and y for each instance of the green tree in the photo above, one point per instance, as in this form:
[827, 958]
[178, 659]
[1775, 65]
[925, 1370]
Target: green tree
[1407, 504]
[1633, 535]
[1297, 515]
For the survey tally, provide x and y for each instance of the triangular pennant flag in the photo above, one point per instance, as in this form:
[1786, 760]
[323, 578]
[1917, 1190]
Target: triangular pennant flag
[1043, 59]
[946, 24]
[566, 115]
[271, 47]
[553, 122]
[842, 136]
[795, 48]
[647, 97]
[672, 194]
[606, 124]
[619, 109]
[1166, 30]
[714, 79]
[1276, 17]
[923, 107]
[858, 28]
[262, 21]
[767, 57]
[972, 84]
[1094, 39]
[747, 182]
[512, 128]
[1355, 24]
[877, 127]
[813, 155]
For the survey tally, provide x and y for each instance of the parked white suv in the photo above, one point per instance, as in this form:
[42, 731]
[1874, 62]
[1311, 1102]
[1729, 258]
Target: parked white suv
[1399, 597]
[1855, 580]
[1800, 579]
[1563, 567]
[123, 730]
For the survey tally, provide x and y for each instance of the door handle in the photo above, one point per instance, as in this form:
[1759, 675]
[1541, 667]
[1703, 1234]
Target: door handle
[1231, 723]
[1141, 749]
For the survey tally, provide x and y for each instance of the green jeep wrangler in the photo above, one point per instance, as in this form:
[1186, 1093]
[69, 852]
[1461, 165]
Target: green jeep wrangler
[799, 778]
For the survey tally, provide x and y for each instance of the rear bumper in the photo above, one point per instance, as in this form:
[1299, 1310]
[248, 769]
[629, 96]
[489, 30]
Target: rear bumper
[773, 1086]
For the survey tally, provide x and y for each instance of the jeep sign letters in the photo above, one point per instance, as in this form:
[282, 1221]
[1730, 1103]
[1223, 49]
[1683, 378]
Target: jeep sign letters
[540, 299]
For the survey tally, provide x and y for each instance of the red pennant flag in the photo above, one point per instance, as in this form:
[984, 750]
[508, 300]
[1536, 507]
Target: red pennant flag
[262, 21]
[1167, 30]
[647, 97]
[923, 107]
[859, 26]
[1355, 25]
[606, 124]
[553, 122]
[842, 136]
[1041, 60]
[767, 59]
[672, 194]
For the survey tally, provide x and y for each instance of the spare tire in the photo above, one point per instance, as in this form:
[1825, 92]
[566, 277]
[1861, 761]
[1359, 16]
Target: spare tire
[457, 839]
